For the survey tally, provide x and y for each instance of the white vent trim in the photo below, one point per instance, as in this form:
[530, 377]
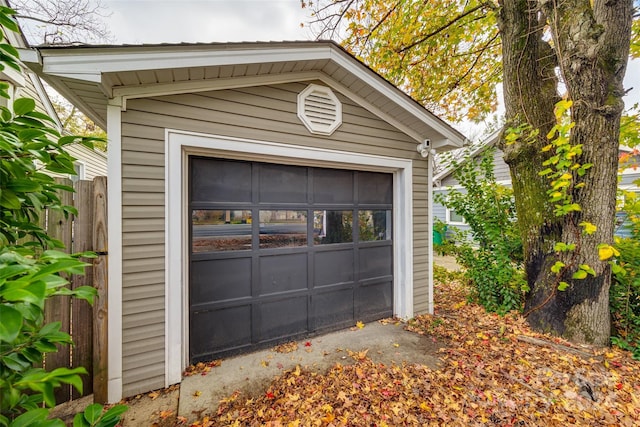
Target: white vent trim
[319, 109]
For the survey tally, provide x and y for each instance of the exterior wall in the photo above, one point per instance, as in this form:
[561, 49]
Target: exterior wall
[260, 113]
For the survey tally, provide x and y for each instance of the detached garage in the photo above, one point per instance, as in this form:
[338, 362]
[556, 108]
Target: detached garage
[258, 193]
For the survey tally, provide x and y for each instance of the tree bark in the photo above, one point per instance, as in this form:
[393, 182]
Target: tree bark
[589, 46]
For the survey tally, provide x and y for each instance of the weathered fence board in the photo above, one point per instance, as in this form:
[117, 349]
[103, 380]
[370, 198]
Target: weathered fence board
[83, 232]
[100, 246]
[81, 311]
[58, 309]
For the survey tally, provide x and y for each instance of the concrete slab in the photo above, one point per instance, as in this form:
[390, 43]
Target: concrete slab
[252, 373]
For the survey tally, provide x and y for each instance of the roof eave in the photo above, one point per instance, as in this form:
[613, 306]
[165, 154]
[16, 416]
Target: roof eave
[91, 63]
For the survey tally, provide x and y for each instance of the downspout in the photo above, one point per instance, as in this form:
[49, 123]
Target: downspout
[430, 164]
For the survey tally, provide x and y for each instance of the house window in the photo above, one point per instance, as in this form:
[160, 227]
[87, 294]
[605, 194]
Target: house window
[79, 167]
[454, 218]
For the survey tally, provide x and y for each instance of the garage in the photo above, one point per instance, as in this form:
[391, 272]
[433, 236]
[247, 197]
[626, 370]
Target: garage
[280, 252]
[259, 192]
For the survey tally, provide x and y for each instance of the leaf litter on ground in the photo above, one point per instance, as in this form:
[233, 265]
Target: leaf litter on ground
[489, 375]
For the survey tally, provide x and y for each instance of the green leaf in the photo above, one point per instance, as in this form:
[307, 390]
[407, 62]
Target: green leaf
[557, 267]
[580, 274]
[24, 185]
[92, 413]
[11, 323]
[563, 286]
[79, 421]
[33, 417]
[9, 200]
[23, 106]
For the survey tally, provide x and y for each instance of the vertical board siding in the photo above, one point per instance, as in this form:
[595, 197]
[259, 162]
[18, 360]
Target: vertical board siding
[267, 113]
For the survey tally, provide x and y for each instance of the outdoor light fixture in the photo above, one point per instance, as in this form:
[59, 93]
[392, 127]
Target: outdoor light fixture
[423, 147]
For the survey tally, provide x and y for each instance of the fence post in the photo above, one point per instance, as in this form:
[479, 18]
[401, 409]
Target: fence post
[57, 309]
[100, 320]
[81, 311]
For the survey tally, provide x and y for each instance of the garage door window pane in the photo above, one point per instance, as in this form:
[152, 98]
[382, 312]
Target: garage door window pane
[375, 225]
[220, 230]
[332, 227]
[283, 228]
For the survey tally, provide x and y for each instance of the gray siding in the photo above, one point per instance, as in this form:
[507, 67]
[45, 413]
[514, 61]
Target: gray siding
[500, 170]
[262, 113]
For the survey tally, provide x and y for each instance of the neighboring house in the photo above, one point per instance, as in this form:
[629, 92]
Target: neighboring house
[444, 181]
[26, 84]
[258, 192]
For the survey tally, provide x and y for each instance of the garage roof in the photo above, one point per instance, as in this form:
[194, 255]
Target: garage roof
[90, 75]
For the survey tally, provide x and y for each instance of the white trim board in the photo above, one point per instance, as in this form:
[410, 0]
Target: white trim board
[180, 144]
[114, 211]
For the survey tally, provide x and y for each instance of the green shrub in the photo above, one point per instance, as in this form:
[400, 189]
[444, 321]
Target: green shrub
[30, 272]
[493, 256]
[624, 296]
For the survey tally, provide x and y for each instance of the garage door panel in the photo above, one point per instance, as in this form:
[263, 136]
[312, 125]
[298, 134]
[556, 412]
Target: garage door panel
[220, 180]
[332, 186]
[331, 267]
[283, 184]
[374, 299]
[332, 308]
[375, 188]
[217, 330]
[283, 273]
[283, 318]
[221, 279]
[375, 261]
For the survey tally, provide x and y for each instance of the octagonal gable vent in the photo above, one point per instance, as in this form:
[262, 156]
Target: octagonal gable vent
[319, 109]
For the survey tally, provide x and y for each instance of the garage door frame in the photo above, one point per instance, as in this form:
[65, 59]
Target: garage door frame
[181, 144]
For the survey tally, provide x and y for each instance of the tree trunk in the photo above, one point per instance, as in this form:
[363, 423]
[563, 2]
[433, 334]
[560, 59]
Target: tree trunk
[590, 45]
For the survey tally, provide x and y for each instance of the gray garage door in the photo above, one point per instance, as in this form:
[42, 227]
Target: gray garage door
[280, 252]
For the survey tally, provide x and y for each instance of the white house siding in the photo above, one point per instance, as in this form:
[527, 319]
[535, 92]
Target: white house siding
[95, 162]
[259, 113]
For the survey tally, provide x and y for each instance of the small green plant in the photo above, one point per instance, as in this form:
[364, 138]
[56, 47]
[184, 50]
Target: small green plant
[95, 416]
[493, 257]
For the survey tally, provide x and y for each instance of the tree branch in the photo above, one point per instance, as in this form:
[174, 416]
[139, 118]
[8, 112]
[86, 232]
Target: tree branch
[442, 28]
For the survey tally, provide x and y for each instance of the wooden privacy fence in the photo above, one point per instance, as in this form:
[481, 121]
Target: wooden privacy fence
[87, 325]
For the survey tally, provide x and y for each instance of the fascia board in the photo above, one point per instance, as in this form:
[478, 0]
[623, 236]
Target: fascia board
[398, 97]
[115, 60]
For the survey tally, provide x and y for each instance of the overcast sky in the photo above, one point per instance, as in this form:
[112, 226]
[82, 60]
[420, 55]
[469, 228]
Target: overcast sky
[175, 21]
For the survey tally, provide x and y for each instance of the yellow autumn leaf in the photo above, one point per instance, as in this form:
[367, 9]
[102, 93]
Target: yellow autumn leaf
[359, 324]
[588, 227]
[606, 251]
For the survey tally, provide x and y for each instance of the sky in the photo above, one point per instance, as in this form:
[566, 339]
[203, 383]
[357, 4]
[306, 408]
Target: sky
[175, 21]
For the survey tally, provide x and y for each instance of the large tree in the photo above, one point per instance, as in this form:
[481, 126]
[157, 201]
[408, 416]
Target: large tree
[450, 54]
